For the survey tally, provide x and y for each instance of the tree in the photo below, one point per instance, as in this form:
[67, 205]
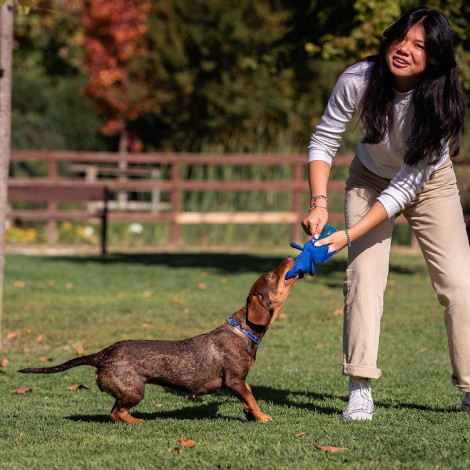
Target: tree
[6, 45]
[113, 38]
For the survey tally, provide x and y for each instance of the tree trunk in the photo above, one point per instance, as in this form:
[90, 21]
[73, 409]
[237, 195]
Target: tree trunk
[6, 47]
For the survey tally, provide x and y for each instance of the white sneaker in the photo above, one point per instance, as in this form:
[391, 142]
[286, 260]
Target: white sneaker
[466, 403]
[360, 405]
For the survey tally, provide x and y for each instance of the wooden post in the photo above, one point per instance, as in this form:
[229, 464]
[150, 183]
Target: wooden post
[175, 204]
[296, 230]
[6, 47]
[123, 143]
[53, 172]
[104, 222]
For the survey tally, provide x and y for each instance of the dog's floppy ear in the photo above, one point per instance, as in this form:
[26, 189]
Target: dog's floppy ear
[258, 314]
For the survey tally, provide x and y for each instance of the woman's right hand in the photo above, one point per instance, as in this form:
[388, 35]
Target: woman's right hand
[314, 221]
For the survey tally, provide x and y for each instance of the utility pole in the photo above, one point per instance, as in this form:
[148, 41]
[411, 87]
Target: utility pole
[6, 48]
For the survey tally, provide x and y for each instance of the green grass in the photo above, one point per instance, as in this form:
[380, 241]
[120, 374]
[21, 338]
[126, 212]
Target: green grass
[88, 302]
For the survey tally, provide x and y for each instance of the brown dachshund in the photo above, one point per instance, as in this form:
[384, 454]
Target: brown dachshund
[203, 364]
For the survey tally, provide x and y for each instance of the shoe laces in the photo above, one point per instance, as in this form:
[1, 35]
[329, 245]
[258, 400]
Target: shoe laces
[360, 395]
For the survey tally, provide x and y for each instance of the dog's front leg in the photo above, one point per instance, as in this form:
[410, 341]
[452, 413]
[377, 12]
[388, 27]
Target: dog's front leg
[243, 392]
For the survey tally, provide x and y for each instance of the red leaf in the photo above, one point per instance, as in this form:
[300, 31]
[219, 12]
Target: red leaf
[77, 387]
[187, 442]
[175, 449]
[22, 391]
[330, 449]
[13, 335]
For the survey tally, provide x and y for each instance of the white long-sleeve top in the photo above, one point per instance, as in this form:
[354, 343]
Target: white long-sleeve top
[385, 159]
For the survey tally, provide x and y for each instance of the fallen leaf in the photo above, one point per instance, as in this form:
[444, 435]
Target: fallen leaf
[187, 442]
[178, 301]
[186, 310]
[13, 335]
[201, 286]
[283, 315]
[147, 293]
[147, 325]
[22, 391]
[79, 351]
[204, 274]
[223, 280]
[4, 362]
[300, 434]
[78, 387]
[423, 349]
[157, 405]
[27, 331]
[39, 339]
[175, 449]
[330, 449]
[69, 285]
[19, 284]
[50, 283]
[338, 311]
[45, 359]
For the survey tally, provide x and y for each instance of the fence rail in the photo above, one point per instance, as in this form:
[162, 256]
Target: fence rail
[117, 172]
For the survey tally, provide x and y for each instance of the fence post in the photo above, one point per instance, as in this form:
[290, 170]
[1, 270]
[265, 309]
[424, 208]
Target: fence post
[175, 203]
[104, 222]
[52, 169]
[296, 229]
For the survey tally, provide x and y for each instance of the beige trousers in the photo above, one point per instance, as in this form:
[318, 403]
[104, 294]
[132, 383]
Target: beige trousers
[435, 216]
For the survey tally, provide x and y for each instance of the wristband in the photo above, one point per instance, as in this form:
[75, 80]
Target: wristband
[321, 207]
[348, 237]
[314, 198]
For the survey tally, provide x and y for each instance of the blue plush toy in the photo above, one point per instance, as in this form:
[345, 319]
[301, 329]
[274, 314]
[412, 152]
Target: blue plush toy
[311, 255]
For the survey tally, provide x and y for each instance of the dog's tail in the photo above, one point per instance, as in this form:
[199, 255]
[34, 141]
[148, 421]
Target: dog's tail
[91, 360]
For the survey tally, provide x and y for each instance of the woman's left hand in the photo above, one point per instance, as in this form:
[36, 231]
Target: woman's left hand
[336, 241]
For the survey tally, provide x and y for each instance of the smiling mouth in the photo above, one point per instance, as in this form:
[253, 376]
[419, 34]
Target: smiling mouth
[400, 62]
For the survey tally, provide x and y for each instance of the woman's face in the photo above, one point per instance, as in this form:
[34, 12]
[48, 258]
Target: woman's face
[407, 59]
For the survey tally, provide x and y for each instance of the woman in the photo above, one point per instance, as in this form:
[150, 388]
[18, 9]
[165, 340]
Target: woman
[412, 110]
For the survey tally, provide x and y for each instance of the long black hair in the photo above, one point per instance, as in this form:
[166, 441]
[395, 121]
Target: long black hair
[439, 106]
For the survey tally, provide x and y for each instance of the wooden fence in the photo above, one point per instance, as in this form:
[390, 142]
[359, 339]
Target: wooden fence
[109, 177]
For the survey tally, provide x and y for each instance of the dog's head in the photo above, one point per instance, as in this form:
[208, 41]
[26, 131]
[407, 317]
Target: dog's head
[268, 294]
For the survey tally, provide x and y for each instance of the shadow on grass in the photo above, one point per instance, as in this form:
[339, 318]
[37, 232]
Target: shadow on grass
[224, 262]
[279, 397]
[204, 411]
[288, 398]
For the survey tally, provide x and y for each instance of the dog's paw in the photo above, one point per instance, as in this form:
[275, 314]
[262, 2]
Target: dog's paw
[258, 417]
[265, 418]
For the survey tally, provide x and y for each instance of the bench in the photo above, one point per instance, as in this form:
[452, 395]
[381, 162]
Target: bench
[53, 192]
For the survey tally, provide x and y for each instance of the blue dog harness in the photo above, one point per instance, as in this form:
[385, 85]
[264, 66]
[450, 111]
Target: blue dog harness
[250, 335]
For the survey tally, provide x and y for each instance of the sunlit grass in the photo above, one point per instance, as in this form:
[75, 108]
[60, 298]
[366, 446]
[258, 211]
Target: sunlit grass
[53, 306]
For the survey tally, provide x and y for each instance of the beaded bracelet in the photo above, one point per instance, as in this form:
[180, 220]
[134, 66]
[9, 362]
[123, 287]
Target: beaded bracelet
[348, 237]
[321, 207]
[320, 196]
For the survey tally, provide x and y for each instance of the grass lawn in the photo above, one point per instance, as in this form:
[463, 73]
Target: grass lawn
[57, 307]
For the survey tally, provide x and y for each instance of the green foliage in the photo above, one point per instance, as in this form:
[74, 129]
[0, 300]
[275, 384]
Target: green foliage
[236, 76]
[48, 111]
[89, 303]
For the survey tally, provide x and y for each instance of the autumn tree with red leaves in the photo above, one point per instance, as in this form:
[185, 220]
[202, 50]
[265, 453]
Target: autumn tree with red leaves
[114, 40]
